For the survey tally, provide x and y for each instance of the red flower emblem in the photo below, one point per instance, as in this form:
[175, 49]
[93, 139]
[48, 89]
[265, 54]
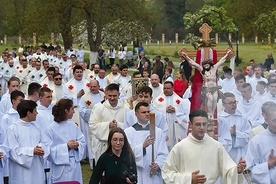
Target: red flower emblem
[70, 87]
[88, 102]
[45, 85]
[88, 85]
[91, 76]
[177, 101]
[20, 71]
[161, 99]
[29, 71]
[17, 67]
[52, 91]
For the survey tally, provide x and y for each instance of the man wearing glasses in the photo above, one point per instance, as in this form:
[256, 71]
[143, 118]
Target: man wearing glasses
[233, 128]
[58, 88]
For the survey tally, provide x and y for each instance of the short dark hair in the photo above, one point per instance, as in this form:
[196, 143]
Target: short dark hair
[168, 82]
[145, 89]
[13, 79]
[247, 85]
[57, 74]
[24, 107]
[239, 77]
[135, 73]
[197, 113]
[77, 67]
[140, 104]
[15, 94]
[33, 87]
[225, 95]
[51, 69]
[228, 71]
[44, 90]
[112, 87]
[124, 66]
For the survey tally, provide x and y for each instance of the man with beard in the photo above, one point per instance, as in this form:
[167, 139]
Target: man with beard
[210, 89]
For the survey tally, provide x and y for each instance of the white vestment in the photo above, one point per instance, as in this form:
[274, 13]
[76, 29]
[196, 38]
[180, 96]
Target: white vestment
[25, 167]
[206, 155]
[102, 114]
[156, 91]
[5, 103]
[5, 150]
[251, 110]
[236, 145]
[238, 95]
[136, 139]
[228, 85]
[87, 102]
[253, 81]
[177, 121]
[73, 86]
[65, 163]
[102, 82]
[257, 157]
[257, 130]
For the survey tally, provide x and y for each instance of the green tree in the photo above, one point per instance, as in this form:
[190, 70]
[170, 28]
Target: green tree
[263, 24]
[215, 17]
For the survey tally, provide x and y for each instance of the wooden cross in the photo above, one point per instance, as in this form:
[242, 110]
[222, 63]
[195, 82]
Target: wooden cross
[205, 30]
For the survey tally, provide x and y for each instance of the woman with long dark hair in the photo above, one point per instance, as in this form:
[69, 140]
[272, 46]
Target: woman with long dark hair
[117, 162]
[67, 144]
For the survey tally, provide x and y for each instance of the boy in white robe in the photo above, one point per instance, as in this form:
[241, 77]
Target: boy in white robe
[4, 155]
[233, 128]
[9, 118]
[200, 159]
[29, 147]
[250, 106]
[148, 171]
[5, 103]
[261, 157]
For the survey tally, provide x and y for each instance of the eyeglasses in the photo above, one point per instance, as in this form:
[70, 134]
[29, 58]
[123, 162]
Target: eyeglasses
[231, 103]
[58, 79]
[118, 140]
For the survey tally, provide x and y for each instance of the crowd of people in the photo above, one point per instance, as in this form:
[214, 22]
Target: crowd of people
[55, 111]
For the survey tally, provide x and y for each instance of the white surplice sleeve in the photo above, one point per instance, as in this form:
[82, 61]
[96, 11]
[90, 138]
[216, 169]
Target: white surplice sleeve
[99, 128]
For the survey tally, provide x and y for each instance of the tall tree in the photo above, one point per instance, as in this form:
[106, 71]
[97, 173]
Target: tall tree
[215, 17]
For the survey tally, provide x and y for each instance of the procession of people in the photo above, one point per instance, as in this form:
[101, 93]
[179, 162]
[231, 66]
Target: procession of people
[56, 111]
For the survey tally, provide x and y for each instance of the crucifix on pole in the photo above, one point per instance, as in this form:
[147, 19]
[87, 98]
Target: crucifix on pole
[205, 54]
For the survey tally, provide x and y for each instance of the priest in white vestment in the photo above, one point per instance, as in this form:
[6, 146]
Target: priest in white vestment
[76, 88]
[177, 113]
[155, 85]
[200, 159]
[233, 128]
[87, 102]
[113, 75]
[104, 117]
[261, 157]
[142, 141]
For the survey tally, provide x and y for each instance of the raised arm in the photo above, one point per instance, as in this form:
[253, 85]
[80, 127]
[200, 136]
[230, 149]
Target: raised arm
[223, 59]
[192, 62]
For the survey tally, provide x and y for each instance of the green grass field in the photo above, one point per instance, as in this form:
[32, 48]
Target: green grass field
[258, 52]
